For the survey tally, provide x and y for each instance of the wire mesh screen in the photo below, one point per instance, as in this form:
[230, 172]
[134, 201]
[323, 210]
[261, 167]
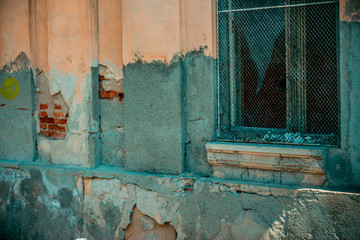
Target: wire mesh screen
[278, 71]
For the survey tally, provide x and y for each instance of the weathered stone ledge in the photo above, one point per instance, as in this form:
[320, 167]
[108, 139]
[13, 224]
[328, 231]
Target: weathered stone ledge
[174, 183]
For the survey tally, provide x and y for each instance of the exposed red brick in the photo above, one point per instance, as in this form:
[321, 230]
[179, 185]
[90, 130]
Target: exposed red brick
[108, 94]
[57, 135]
[57, 106]
[121, 97]
[45, 133]
[67, 115]
[43, 114]
[100, 86]
[51, 132]
[57, 127]
[58, 114]
[44, 106]
[101, 78]
[60, 121]
[40, 92]
[23, 109]
[46, 120]
[43, 126]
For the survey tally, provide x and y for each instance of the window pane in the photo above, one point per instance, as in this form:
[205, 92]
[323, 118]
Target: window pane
[260, 68]
[322, 84]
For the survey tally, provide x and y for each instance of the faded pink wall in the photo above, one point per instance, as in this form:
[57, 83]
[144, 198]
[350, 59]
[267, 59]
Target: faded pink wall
[151, 30]
[160, 29]
[14, 29]
[69, 36]
[154, 29]
[110, 32]
[39, 35]
[200, 26]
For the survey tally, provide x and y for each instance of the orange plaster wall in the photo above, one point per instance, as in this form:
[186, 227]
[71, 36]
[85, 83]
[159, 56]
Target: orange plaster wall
[14, 30]
[160, 29]
[151, 30]
[350, 10]
[39, 35]
[110, 32]
[200, 26]
[69, 36]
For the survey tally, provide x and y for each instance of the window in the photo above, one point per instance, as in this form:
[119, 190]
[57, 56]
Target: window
[278, 71]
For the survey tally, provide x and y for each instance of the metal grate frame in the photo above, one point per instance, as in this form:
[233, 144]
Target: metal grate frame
[278, 71]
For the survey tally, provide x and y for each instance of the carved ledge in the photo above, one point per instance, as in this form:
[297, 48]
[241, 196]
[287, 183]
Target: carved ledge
[284, 158]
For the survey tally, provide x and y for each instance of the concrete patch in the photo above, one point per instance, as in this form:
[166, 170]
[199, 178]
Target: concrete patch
[199, 109]
[153, 117]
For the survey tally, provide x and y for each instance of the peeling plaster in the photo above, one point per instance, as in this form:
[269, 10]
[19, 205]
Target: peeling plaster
[66, 83]
[110, 71]
[19, 63]
[73, 145]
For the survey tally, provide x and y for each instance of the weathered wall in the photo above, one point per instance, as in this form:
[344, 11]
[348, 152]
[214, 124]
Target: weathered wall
[169, 85]
[73, 73]
[63, 203]
[154, 131]
[350, 89]
[200, 110]
[111, 89]
[16, 84]
[123, 88]
[153, 86]
[112, 132]
[65, 55]
[14, 26]
[17, 132]
[64, 67]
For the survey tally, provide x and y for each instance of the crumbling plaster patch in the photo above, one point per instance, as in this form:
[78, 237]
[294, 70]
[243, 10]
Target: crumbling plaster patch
[110, 71]
[20, 62]
[112, 114]
[143, 226]
[81, 124]
[77, 93]
[64, 83]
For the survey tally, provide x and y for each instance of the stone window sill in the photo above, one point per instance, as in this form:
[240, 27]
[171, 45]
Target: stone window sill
[302, 165]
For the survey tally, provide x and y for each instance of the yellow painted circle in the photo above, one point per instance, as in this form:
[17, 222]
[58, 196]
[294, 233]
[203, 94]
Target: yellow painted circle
[10, 88]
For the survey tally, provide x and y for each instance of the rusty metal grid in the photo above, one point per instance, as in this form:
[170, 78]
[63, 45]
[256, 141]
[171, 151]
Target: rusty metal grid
[278, 71]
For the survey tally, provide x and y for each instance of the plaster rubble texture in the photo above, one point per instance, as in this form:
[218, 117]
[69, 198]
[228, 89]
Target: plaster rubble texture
[134, 164]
